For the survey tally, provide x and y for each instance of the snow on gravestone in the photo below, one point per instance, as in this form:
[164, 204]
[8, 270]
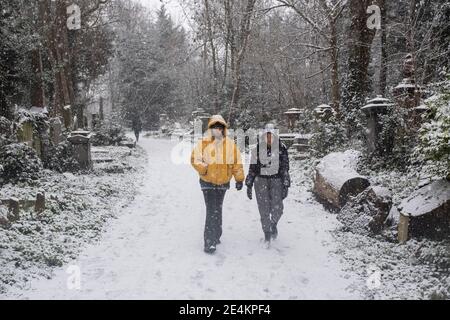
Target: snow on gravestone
[336, 178]
[426, 211]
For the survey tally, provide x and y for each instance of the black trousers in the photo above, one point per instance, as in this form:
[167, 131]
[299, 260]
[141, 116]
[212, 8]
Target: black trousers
[213, 225]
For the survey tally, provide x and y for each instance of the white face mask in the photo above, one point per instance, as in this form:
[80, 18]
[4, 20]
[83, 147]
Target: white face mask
[217, 133]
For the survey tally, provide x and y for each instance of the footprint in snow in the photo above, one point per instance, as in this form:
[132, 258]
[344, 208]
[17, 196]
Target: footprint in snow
[221, 260]
[304, 280]
[198, 275]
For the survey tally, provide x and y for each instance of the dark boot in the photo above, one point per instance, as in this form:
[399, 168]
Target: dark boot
[274, 231]
[210, 249]
[267, 236]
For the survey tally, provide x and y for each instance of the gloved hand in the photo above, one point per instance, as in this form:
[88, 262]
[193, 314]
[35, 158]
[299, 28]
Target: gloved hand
[239, 186]
[285, 192]
[250, 193]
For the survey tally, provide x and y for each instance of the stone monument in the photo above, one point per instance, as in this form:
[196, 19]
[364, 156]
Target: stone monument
[81, 143]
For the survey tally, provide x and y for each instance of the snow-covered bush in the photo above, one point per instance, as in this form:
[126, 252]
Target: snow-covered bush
[109, 133]
[19, 163]
[61, 158]
[328, 136]
[397, 142]
[393, 131]
[39, 120]
[434, 146]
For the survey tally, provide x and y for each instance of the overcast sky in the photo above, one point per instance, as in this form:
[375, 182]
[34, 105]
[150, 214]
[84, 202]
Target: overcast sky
[172, 6]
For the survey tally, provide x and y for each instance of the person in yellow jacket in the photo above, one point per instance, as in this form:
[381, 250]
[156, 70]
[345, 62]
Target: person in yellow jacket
[217, 160]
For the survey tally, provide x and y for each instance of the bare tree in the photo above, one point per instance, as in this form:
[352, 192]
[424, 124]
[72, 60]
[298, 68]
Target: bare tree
[241, 47]
[210, 37]
[331, 11]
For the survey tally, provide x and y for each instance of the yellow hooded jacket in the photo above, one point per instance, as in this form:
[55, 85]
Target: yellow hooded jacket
[217, 162]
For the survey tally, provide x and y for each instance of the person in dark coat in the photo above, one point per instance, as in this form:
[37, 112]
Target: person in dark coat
[137, 127]
[269, 174]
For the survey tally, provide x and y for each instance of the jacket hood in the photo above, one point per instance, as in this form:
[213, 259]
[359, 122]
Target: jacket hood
[217, 119]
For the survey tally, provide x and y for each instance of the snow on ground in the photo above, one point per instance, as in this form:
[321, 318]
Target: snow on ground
[154, 249]
[417, 270]
[78, 206]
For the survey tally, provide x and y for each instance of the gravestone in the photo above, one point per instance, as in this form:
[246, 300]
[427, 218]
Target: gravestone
[67, 116]
[56, 131]
[374, 111]
[14, 211]
[293, 116]
[81, 144]
[301, 146]
[40, 202]
[25, 133]
[200, 119]
[164, 123]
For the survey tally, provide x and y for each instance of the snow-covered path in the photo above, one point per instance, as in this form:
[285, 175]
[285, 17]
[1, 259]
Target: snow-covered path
[154, 249]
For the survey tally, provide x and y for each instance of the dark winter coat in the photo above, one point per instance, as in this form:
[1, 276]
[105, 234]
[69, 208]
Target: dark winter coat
[137, 125]
[256, 165]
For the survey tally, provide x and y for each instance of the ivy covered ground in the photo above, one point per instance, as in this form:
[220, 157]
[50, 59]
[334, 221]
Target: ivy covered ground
[78, 207]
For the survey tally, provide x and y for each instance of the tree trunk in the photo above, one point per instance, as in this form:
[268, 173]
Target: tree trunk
[37, 92]
[37, 86]
[228, 22]
[245, 30]
[213, 56]
[335, 85]
[357, 85]
[337, 180]
[55, 21]
[383, 66]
